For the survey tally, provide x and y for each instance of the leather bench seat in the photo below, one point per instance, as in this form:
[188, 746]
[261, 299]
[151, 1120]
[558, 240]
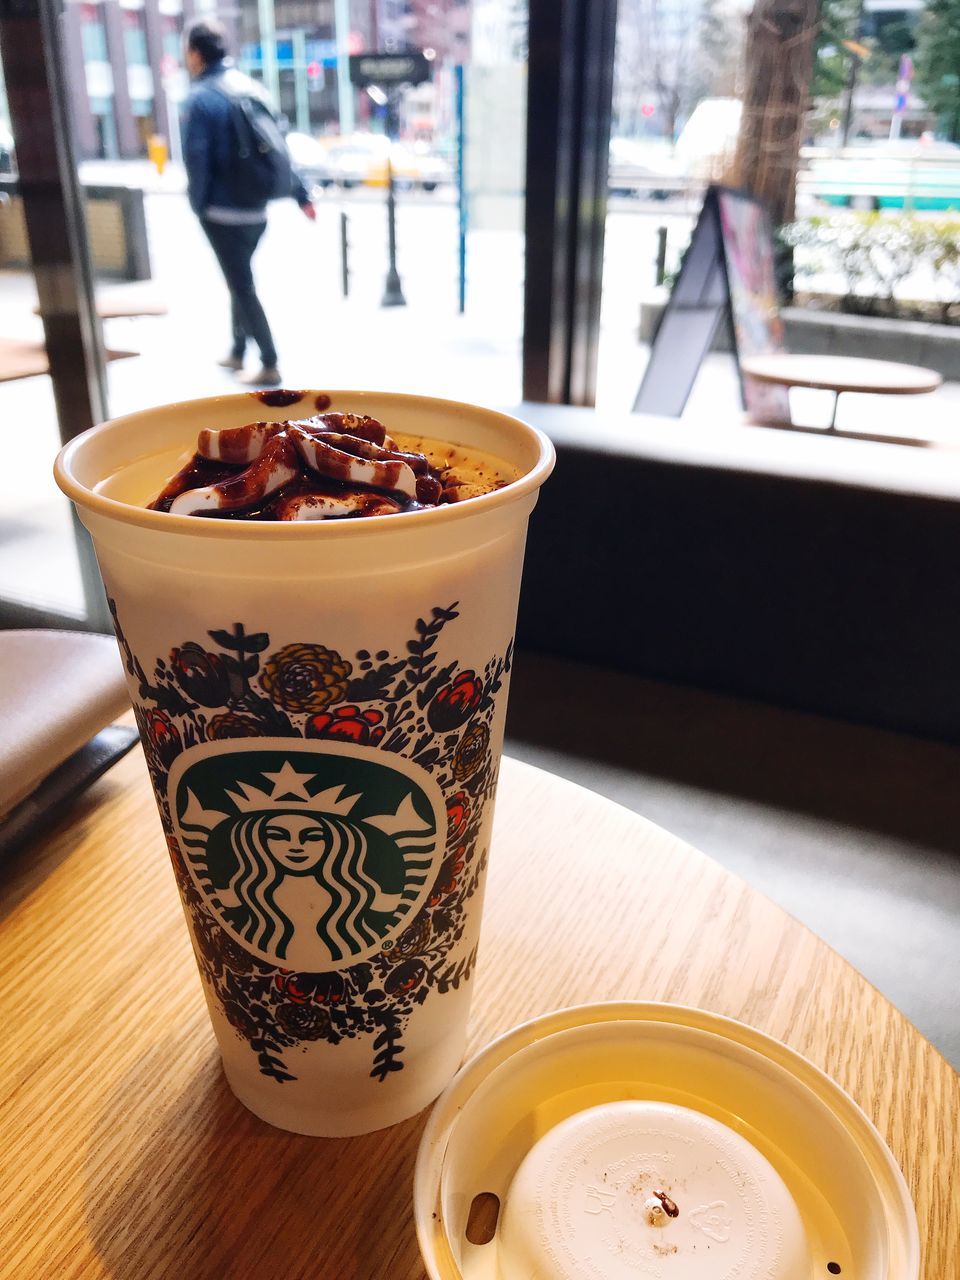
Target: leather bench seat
[807, 572]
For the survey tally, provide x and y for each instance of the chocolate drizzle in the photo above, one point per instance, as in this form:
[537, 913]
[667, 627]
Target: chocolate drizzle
[329, 466]
[669, 1208]
[279, 398]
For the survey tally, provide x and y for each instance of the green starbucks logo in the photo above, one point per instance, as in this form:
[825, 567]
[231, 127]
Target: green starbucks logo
[313, 856]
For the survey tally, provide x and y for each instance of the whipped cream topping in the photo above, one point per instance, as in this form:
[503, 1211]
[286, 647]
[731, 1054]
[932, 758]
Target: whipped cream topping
[329, 466]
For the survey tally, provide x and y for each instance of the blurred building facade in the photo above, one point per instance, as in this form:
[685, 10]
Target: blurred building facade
[125, 58]
[124, 63]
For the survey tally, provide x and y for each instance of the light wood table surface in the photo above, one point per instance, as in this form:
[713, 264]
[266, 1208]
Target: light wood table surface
[20, 358]
[839, 374]
[125, 1155]
[842, 373]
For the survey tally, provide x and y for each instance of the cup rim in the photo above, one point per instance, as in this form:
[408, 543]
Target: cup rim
[167, 523]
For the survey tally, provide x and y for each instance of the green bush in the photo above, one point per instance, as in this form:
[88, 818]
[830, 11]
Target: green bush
[875, 253]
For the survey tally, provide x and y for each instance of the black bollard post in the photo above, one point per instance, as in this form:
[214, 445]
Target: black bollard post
[661, 254]
[344, 260]
[392, 289]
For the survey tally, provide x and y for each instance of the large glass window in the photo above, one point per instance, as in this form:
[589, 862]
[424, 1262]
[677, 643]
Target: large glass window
[171, 27]
[39, 569]
[475, 56]
[675, 113]
[165, 308]
[93, 34]
[859, 116]
[134, 37]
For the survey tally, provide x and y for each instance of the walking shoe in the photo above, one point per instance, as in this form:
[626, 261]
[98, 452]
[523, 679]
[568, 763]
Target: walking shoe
[266, 376]
[231, 362]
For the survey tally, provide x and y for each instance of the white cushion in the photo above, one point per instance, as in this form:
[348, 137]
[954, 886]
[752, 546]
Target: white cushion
[57, 689]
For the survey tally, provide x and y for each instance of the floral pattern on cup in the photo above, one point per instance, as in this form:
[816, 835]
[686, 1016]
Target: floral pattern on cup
[201, 675]
[305, 677]
[458, 814]
[471, 752]
[230, 724]
[439, 716]
[348, 724]
[163, 737]
[456, 702]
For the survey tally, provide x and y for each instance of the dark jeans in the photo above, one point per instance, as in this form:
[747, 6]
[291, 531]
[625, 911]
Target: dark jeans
[234, 247]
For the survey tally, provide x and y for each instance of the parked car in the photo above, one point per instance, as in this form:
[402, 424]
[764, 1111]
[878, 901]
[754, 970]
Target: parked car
[657, 169]
[708, 140]
[361, 160]
[643, 168]
[914, 173]
[311, 159]
[432, 169]
[351, 158]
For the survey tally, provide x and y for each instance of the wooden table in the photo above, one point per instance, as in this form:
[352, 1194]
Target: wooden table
[125, 1155]
[28, 359]
[21, 358]
[839, 374]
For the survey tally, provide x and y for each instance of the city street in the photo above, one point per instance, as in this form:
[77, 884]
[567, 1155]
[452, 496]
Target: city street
[325, 340]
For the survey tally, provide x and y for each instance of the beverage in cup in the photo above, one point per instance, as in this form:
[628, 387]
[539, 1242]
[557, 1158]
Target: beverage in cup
[315, 596]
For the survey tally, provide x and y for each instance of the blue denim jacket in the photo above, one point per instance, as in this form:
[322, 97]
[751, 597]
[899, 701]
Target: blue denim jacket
[208, 145]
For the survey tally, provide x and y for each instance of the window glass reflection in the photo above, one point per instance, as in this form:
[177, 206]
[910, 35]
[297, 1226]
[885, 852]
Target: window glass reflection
[164, 306]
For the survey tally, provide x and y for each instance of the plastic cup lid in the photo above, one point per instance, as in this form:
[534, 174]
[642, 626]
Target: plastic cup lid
[631, 1181]
[645, 1140]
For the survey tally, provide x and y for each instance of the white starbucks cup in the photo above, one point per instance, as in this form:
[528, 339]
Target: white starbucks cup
[321, 706]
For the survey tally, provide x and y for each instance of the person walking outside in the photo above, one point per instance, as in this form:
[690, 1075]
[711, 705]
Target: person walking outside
[236, 160]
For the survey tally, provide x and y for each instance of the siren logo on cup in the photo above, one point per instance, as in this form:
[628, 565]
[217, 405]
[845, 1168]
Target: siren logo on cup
[327, 815]
[311, 858]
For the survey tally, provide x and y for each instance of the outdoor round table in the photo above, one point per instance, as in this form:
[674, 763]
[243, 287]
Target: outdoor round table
[128, 1158]
[841, 373]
